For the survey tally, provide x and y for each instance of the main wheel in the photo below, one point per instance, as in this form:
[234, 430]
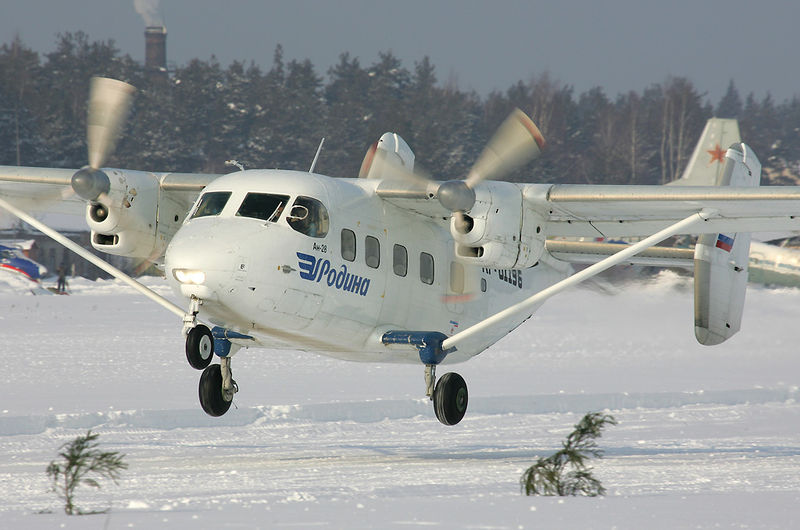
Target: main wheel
[450, 398]
[199, 347]
[210, 391]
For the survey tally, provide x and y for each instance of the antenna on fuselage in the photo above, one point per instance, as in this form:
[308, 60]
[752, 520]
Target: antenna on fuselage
[316, 156]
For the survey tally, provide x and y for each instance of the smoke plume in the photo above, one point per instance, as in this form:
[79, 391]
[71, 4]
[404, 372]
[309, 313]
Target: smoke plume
[148, 9]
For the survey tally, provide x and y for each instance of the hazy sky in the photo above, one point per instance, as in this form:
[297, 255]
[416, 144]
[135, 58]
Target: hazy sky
[619, 45]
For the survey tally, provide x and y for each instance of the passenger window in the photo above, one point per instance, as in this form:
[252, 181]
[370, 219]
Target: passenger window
[212, 203]
[308, 216]
[264, 206]
[400, 260]
[372, 252]
[348, 245]
[426, 268]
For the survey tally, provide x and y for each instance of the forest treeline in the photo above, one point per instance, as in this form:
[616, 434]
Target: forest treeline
[204, 114]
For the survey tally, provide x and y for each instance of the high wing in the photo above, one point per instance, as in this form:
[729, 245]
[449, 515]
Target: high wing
[618, 211]
[608, 211]
[38, 185]
[136, 216]
[40, 190]
[578, 210]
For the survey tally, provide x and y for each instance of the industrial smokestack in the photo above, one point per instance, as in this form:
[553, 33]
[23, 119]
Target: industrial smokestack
[155, 52]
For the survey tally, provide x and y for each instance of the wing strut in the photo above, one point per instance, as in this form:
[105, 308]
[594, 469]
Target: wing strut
[527, 304]
[82, 252]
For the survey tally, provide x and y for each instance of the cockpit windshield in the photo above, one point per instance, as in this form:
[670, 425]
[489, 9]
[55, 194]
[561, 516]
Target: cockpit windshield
[308, 216]
[264, 206]
[212, 203]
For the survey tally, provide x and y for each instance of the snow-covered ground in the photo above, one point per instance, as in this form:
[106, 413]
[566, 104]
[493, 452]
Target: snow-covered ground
[707, 437]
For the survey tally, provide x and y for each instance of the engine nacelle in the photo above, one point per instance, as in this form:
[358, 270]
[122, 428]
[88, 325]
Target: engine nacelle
[124, 221]
[501, 232]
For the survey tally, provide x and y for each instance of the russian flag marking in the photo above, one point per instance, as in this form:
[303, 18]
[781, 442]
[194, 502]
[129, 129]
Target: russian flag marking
[724, 242]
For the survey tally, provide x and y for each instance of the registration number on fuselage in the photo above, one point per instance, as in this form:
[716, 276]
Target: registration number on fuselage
[511, 277]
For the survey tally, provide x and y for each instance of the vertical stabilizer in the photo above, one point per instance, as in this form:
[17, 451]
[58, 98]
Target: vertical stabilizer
[721, 260]
[707, 163]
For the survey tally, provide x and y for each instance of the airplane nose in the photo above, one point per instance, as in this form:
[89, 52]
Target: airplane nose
[196, 264]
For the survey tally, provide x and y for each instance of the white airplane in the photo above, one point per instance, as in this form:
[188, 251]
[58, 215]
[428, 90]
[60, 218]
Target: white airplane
[389, 267]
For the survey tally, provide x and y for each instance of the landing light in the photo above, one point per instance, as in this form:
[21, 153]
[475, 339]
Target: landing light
[189, 276]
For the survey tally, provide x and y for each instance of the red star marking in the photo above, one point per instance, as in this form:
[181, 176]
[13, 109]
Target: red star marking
[717, 154]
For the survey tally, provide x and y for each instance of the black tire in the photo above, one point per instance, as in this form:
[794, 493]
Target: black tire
[450, 398]
[199, 347]
[210, 391]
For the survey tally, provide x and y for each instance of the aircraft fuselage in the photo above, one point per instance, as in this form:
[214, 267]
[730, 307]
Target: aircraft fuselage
[334, 289]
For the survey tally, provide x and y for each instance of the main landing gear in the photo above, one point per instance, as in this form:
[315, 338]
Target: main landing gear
[449, 395]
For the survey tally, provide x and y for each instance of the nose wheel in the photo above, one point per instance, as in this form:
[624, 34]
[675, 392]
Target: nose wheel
[217, 388]
[199, 347]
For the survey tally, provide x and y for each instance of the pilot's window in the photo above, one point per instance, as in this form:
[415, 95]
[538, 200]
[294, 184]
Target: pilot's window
[426, 268]
[457, 278]
[400, 260]
[212, 203]
[372, 252]
[348, 245]
[264, 206]
[308, 216]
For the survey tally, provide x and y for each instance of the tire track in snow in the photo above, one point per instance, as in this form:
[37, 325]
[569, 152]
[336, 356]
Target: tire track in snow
[379, 410]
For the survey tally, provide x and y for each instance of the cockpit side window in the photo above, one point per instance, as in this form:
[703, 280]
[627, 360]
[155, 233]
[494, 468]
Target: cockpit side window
[212, 203]
[308, 216]
[266, 206]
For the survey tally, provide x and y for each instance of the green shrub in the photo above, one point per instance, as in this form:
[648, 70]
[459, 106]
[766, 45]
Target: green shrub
[80, 459]
[566, 472]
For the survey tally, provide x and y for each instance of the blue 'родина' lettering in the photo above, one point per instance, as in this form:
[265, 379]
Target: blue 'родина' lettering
[317, 270]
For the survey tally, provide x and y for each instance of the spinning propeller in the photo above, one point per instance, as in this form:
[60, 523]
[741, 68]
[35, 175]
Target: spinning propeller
[515, 143]
[109, 104]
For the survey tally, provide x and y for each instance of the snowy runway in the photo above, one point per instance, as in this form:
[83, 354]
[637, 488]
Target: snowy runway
[706, 437]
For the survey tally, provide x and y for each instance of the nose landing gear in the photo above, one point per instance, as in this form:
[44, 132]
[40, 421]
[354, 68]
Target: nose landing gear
[217, 387]
[214, 400]
[199, 347]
